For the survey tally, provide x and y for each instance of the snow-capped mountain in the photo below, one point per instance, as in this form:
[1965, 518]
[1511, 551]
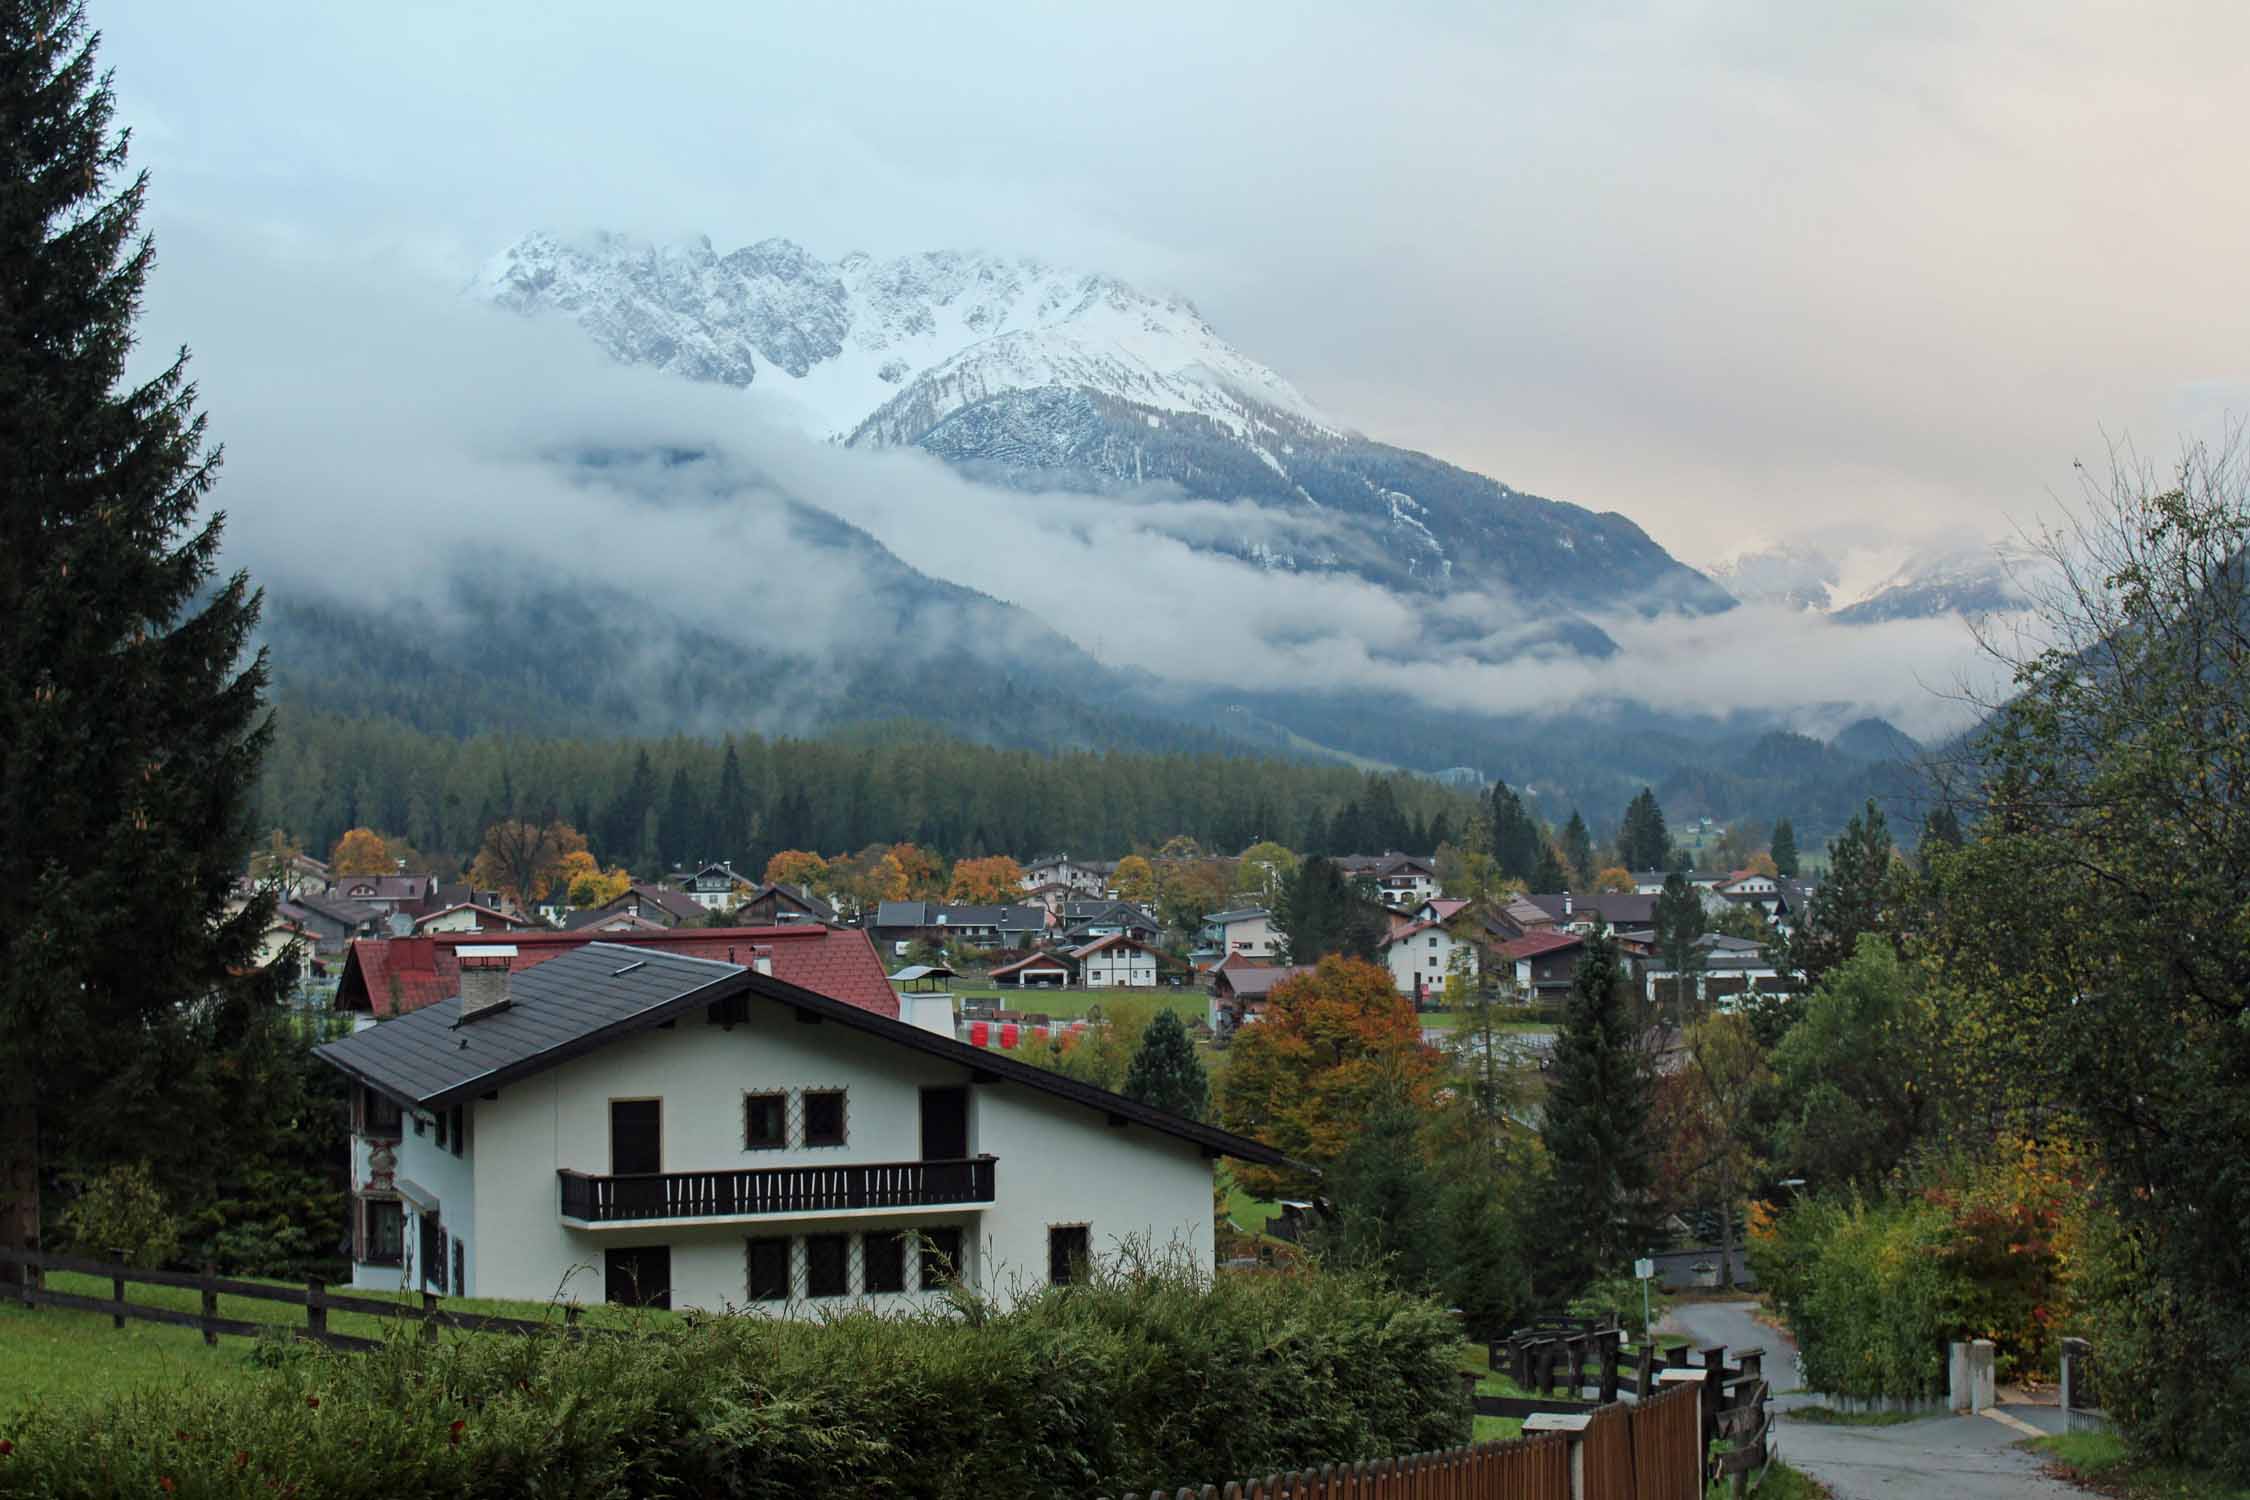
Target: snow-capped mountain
[1055, 379]
[1866, 585]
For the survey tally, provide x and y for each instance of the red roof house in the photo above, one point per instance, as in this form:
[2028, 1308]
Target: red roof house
[391, 976]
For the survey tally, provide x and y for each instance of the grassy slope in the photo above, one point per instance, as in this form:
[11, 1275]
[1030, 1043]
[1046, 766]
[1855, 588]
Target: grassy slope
[59, 1353]
[2098, 1460]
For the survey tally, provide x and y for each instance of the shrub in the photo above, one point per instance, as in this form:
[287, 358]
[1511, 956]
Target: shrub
[1140, 1377]
[1866, 1290]
[1618, 1298]
[123, 1209]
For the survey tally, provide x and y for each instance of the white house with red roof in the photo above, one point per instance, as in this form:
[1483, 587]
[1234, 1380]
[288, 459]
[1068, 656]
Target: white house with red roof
[1422, 953]
[1119, 961]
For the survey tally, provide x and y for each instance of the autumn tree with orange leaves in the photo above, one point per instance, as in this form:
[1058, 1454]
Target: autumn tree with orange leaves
[1304, 1077]
[797, 867]
[361, 851]
[992, 881]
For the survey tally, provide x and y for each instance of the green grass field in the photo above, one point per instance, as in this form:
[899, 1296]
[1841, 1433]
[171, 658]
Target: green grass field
[1188, 1005]
[1450, 1020]
[59, 1353]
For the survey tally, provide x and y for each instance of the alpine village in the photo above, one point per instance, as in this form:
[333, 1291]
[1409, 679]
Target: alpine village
[459, 1104]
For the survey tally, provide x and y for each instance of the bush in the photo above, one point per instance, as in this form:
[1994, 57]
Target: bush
[1618, 1298]
[1150, 1376]
[123, 1209]
[1866, 1290]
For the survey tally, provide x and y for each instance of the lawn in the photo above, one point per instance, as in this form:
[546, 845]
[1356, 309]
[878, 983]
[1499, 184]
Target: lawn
[1450, 1020]
[1063, 1005]
[58, 1352]
[2098, 1461]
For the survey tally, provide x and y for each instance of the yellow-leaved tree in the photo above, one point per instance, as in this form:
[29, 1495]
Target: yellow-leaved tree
[360, 852]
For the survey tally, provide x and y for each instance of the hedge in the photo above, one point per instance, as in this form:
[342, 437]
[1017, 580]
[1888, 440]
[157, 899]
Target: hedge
[1145, 1378]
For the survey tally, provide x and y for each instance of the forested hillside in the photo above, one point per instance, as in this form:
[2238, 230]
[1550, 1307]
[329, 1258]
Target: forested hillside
[654, 802]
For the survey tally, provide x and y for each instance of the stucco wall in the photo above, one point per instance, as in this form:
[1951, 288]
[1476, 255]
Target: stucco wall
[1058, 1162]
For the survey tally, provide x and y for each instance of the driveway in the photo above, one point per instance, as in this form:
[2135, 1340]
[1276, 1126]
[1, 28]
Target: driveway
[1940, 1457]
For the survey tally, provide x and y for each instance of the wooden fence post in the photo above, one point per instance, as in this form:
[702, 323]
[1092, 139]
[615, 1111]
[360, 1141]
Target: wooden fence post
[316, 1308]
[429, 1321]
[210, 1304]
[1644, 1369]
[1715, 1390]
[1610, 1350]
[117, 1288]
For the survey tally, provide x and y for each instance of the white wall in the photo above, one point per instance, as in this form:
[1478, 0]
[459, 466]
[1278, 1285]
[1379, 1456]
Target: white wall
[1418, 954]
[1058, 1162]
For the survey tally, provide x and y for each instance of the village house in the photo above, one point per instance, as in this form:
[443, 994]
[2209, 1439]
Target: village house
[651, 903]
[1651, 882]
[1038, 969]
[1579, 912]
[772, 903]
[1421, 955]
[899, 923]
[387, 893]
[1084, 921]
[1402, 881]
[468, 916]
[1240, 987]
[1545, 963]
[1117, 961]
[703, 1134]
[1247, 930]
[329, 926]
[1085, 877]
[714, 887]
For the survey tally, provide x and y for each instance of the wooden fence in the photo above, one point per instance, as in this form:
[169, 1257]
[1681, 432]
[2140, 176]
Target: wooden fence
[1536, 1468]
[314, 1297]
[1650, 1450]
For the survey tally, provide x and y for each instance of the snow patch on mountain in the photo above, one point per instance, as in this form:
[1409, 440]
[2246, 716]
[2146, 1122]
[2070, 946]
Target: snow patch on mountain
[878, 351]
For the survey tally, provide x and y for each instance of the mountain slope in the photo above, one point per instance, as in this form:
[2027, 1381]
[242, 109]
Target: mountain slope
[1055, 379]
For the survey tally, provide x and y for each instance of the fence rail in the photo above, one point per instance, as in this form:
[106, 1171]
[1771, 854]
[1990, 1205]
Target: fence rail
[314, 1297]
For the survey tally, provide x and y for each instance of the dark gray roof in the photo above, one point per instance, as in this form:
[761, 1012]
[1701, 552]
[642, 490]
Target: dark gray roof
[901, 913]
[569, 1006]
[594, 992]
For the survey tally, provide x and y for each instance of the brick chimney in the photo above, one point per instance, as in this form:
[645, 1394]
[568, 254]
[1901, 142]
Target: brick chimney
[484, 978]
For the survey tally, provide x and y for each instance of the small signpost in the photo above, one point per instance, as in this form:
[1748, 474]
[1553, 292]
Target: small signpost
[1645, 1269]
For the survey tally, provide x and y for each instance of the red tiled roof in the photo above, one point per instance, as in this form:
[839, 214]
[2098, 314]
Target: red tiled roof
[1399, 934]
[390, 976]
[1114, 940]
[1532, 944]
[1061, 961]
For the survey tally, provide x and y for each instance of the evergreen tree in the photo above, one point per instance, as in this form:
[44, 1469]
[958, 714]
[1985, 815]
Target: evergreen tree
[1940, 830]
[1165, 1072]
[1516, 841]
[1597, 1206]
[1785, 860]
[680, 829]
[1384, 1196]
[1578, 849]
[1857, 897]
[1320, 914]
[130, 733]
[623, 821]
[1549, 874]
[1680, 921]
[730, 814]
[1642, 842]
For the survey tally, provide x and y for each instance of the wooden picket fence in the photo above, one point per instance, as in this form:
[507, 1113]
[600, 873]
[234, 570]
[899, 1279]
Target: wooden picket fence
[1650, 1450]
[314, 1297]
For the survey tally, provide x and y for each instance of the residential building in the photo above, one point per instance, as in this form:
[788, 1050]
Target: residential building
[901, 922]
[394, 976]
[1086, 877]
[386, 893]
[1579, 911]
[1545, 963]
[1247, 930]
[329, 925]
[704, 1135]
[1402, 881]
[1038, 969]
[715, 887]
[1651, 882]
[468, 916]
[1241, 987]
[1083, 921]
[1119, 961]
[654, 903]
[1422, 954]
[771, 904]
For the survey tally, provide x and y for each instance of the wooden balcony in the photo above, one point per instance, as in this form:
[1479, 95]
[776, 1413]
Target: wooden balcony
[756, 1192]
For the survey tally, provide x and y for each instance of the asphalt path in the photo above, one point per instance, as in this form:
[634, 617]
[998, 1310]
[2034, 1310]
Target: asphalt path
[1940, 1457]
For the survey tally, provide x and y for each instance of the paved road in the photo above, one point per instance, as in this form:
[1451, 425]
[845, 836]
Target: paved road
[1939, 1458]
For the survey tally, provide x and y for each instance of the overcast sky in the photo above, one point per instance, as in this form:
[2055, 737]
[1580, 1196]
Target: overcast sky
[1736, 270]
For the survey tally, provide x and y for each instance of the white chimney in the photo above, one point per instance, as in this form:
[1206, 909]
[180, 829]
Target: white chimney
[484, 978]
[931, 1011]
[761, 959]
[1566, 903]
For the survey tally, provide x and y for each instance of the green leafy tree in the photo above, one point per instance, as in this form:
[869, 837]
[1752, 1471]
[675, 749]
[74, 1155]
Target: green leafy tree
[1578, 848]
[1597, 1212]
[1785, 848]
[1941, 831]
[1165, 1072]
[1265, 867]
[1383, 1195]
[1642, 842]
[1854, 1075]
[130, 730]
[2092, 934]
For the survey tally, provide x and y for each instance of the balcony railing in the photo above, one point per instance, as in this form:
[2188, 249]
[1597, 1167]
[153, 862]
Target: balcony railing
[775, 1190]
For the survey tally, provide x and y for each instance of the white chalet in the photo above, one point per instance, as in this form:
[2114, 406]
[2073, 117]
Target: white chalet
[702, 1134]
[1248, 931]
[1119, 961]
[1420, 956]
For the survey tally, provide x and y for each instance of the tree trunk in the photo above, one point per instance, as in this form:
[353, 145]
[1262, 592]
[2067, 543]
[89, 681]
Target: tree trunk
[19, 1172]
[1726, 1226]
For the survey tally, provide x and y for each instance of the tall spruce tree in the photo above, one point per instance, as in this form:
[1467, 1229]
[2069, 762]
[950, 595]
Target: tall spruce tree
[130, 730]
[1598, 1212]
[730, 814]
[1319, 914]
[1642, 840]
[1680, 922]
[1165, 1072]
[1785, 860]
[1858, 896]
[1516, 840]
[1548, 874]
[1578, 849]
